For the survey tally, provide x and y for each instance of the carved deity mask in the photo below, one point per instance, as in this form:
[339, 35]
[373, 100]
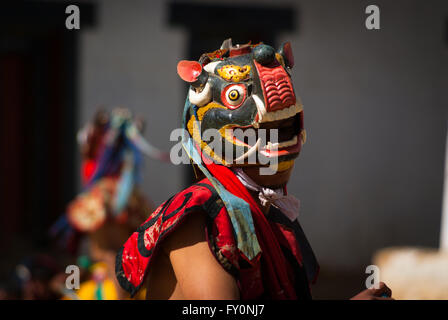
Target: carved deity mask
[242, 92]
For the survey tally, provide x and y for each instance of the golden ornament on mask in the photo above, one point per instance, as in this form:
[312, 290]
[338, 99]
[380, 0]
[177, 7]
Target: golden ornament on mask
[234, 73]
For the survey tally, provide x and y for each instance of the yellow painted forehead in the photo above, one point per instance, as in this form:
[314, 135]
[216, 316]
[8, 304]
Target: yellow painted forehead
[234, 73]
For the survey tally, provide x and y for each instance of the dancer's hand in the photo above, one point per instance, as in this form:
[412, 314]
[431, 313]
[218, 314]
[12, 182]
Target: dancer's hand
[382, 293]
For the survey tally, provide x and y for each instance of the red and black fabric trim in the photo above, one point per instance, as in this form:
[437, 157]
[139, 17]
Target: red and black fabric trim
[304, 255]
[297, 251]
[134, 258]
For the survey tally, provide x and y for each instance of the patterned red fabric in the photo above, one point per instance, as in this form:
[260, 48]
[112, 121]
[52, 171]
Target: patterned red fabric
[135, 257]
[280, 283]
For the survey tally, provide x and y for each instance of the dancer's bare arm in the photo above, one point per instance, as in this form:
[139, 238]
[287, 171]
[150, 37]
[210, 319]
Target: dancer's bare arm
[197, 271]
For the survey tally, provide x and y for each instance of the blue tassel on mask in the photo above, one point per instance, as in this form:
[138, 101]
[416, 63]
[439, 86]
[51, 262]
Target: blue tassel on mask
[238, 209]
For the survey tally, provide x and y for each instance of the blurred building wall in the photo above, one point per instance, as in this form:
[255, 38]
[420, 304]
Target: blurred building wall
[130, 60]
[376, 110]
[371, 172]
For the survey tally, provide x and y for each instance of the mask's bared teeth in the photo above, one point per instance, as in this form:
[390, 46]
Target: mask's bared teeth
[271, 146]
[303, 136]
[294, 110]
[289, 143]
[280, 114]
[284, 144]
[260, 107]
[284, 114]
[268, 117]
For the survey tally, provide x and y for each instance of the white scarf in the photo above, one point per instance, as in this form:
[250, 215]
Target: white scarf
[287, 204]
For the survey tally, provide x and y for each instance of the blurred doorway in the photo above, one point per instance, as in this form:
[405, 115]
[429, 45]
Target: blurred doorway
[38, 106]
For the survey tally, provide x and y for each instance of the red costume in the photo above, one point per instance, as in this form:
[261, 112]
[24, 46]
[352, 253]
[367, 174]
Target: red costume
[301, 267]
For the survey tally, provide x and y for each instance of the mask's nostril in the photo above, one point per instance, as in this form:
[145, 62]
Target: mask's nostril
[264, 54]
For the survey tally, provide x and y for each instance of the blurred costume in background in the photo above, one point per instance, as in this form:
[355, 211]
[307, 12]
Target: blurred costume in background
[236, 87]
[99, 286]
[111, 205]
[36, 277]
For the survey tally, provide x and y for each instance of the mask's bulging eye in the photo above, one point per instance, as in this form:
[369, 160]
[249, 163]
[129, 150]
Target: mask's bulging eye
[234, 95]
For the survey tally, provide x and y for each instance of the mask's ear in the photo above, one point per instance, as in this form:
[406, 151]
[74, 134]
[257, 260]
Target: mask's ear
[192, 72]
[286, 52]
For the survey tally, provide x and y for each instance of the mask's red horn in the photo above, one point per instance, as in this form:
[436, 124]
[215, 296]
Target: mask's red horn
[192, 72]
